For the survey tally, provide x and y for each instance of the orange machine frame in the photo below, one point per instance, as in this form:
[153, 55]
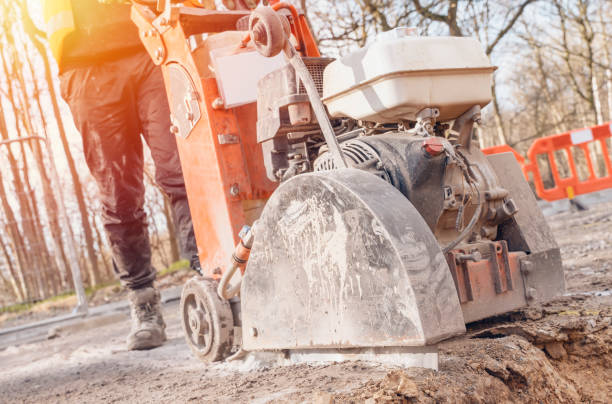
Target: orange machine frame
[221, 159]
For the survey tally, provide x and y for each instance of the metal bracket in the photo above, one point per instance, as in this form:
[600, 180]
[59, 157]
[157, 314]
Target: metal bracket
[464, 125]
[459, 265]
[168, 16]
[426, 119]
[500, 273]
[461, 277]
[149, 34]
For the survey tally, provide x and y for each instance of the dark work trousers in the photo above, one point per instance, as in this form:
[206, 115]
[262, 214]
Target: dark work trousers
[113, 104]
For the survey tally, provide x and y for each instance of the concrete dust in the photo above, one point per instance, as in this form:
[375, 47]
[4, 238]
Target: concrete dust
[559, 352]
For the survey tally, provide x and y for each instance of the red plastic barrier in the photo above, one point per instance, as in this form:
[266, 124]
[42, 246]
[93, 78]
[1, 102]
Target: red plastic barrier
[572, 185]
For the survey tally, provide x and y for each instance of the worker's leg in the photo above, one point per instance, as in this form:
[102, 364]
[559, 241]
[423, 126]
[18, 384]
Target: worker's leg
[104, 114]
[154, 114]
[103, 107]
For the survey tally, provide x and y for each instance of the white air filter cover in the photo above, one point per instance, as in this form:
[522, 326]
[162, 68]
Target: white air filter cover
[394, 79]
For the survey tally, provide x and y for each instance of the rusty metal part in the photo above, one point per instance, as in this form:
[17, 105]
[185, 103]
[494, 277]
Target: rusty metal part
[206, 320]
[343, 259]
[527, 230]
[490, 285]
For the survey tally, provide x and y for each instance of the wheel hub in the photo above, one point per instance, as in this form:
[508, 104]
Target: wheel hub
[207, 320]
[197, 321]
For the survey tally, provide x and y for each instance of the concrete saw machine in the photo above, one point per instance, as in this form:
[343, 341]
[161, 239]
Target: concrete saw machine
[341, 207]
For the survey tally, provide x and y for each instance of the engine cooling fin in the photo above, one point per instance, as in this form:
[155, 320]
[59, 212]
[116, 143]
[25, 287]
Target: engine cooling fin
[358, 155]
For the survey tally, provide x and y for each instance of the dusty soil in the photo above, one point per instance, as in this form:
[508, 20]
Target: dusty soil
[108, 294]
[559, 352]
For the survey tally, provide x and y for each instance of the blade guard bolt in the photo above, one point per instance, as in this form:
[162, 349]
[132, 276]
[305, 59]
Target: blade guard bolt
[527, 267]
[530, 293]
[217, 103]
[433, 146]
[160, 54]
[234, 190]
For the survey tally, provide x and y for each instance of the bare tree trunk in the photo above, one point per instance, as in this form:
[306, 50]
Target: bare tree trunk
[108, 270]
[499, 125]
[48, 268]
[174, 247]
[78, 189]
[608, 82]
[450, 19]
[17, 241]
[7, 285]
[596, 100]
[48, 196]
[607, 60]
[14, 281]
[24, 204]
[551, 105]
[25, 196]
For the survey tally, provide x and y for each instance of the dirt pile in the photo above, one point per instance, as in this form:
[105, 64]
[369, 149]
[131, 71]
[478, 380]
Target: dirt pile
[560, 353]
[508, 369]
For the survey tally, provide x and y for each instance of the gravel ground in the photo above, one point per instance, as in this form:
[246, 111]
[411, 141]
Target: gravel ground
[559, 352]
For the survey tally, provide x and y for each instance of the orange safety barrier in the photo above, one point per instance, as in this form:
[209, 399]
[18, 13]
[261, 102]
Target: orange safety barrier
[569, 143]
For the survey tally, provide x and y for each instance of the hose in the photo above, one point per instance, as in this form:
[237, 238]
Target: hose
[222, 290]
[239, 259]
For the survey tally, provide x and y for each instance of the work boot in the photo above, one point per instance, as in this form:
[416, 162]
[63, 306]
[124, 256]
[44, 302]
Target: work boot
[148, 327]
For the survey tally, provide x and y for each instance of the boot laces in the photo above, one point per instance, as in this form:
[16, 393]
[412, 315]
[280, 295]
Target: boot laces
[147, 312]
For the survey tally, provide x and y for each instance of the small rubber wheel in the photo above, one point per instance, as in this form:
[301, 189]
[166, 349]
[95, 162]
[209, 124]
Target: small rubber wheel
[267, 31]
[207, 320]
